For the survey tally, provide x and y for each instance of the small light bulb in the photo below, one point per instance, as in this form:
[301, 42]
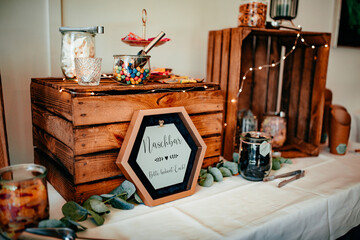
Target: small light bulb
[326, 45]
[205, 87]
[312, 46]
[250, 69]
[233, 100]
[284, 57]
[299, 26]
[273, 65]
[225, 124]
[293, 47]
[298, 35]
[302, 39]
[60, 90]
[260, 68]
[244, 77]
[183, 91]
[92, 93]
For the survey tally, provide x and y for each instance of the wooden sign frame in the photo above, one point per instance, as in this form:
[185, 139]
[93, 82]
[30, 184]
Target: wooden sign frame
[128, 160]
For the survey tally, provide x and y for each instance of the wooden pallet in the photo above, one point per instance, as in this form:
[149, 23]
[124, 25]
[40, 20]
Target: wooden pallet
[81, 129]
[231, 52]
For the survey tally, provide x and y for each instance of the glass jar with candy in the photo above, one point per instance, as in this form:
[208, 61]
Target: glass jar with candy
[131, 69]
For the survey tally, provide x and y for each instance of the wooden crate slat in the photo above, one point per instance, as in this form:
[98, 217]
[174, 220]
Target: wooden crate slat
[217, 57]
[54, 125]
[246, 62]
[54, 147]
[103, 163]
[119, 108]
[225, 57]
[60, 180]
[305, 95]
[50, 99]
[210, 57]
[258, 97]
[318, 99]
[233, 87]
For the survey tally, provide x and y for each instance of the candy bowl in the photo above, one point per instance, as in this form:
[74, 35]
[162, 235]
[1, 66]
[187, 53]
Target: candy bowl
[131, 69]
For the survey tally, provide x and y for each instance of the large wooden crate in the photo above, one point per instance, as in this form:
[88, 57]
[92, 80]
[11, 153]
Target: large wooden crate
[231, 52]
[78, 131]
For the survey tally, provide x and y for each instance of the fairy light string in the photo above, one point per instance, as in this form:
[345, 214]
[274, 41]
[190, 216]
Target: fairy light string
[205, 87]
[261, 67]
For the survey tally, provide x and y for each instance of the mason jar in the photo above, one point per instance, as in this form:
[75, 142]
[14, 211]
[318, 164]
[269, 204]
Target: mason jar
[76, 42]
[252, 13]
[255, 156]
[275, 124]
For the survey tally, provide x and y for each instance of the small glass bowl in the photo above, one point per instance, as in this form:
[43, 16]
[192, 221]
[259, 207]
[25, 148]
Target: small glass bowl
[131, 69]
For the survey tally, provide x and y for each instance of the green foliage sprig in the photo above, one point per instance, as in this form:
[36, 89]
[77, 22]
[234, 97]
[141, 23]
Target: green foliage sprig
[222, 169]
[95, 207]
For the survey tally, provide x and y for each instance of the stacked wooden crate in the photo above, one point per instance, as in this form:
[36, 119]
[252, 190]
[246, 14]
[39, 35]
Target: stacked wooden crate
[232, 51]
[78, 131]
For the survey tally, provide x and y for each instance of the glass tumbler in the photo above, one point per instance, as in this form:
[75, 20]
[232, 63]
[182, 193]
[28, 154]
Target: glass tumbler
[23, 198]
[88, 71]
[255, 159]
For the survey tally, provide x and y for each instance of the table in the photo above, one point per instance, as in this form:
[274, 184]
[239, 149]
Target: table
[325, 204]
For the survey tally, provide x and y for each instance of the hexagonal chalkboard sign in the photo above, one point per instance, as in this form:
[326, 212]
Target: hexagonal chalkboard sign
[162, 154]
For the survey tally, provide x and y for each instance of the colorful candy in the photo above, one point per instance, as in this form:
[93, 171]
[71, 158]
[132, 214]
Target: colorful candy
[127, 72]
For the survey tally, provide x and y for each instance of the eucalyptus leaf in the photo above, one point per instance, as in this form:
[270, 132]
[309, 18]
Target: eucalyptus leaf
[51, 223]
[121, 204]
[225, 172]
[107, 195]
[208, 181]
[218, 177]
[127, 187]
[236, 157]
[72, 224]
[232, 166]
[203, 172]
[276, 165]
[74, 211]
[99, 220]
[288, 161]
[137, 198]
[98, 206]
[97, 197]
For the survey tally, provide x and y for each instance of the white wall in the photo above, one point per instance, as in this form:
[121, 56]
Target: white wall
[30, 46]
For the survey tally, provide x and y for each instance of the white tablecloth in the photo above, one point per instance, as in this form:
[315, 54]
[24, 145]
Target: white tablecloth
[325, 204]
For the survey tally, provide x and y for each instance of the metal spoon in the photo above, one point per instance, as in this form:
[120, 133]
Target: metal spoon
[51, 233]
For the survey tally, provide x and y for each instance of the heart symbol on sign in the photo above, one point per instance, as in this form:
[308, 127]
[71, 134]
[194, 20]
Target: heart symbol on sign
[166, 157]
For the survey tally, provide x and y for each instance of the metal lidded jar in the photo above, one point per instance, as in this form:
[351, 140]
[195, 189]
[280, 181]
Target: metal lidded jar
[283, 9]
[255, 159]
[76, 42]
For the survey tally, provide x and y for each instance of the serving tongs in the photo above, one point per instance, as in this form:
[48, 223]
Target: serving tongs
[52, 233]
[296, 175]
